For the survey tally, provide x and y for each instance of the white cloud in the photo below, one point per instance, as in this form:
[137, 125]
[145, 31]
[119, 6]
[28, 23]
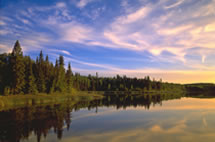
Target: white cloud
[65, 52]
[210, 27]
[135, 16]
[25, 21]
[83, 3]
[2, 23]
[174, 30]
[75, 32]
[174, 4]
[4, 32]
[60, 5]
[5, 48]
[119, 42]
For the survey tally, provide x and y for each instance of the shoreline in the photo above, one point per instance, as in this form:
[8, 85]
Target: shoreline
[17, 101]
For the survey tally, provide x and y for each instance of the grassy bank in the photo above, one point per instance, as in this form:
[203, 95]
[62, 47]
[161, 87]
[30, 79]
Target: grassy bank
[16, 101]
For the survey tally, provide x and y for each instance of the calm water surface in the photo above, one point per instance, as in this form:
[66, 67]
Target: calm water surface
[114, 119]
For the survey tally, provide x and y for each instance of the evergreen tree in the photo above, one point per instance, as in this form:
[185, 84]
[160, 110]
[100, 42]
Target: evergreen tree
[18, 69]
[69, 78]
[54, 78]
[60, 84]
[5, 74]
[41, 84]
[47, 74]
[31, 87]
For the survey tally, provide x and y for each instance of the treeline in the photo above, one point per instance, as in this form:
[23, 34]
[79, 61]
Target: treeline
[21, 75]
[208, 88]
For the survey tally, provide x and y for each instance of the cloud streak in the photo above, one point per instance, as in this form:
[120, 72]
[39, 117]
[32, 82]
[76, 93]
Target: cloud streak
[174, 4]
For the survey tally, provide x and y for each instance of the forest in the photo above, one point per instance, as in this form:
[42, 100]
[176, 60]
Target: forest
[20, 74]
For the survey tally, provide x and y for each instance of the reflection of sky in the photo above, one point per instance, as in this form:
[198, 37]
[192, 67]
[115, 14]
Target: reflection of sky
[169, 39]
[184, 120]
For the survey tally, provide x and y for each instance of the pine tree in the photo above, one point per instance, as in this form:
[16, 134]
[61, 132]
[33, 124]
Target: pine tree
[69, 78]
[54, 78]
[47, 73]
[31, 87]
[5, 74]
[41, 84]
[18, 69]
[60, 83]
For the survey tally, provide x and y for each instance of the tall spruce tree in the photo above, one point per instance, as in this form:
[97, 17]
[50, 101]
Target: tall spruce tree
[41, 84]
[53, 82]
[60, 82]
[69, 78]
[31, 87]
[5, 74]
[48, 73]
[18, 69]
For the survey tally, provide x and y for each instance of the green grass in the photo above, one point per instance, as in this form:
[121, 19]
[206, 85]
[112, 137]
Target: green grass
[15, 101]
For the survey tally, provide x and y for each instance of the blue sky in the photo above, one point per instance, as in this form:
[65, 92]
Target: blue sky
[169, 39]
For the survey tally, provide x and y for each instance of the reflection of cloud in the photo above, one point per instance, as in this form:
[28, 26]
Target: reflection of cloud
[204, 122]
[156, 128]
[140, 125]
[188, 104]
[175, 132]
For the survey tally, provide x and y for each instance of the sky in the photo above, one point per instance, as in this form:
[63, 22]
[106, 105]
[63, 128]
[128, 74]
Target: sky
[169, 39]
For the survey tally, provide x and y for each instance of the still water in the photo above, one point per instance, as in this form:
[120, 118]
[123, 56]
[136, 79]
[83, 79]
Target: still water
[114, 119]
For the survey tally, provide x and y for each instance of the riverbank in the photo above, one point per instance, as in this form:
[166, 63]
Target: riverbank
[16, 101]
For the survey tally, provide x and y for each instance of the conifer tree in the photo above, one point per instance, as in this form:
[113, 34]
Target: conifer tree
[69, 78]
[53, 82]
[60, 83]
[41, 84]
[5, 74]
[31, 87]
[47, 73]
[18, 69]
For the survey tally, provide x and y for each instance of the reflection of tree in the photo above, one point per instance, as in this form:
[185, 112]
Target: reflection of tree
[124, 101]
[19, 123]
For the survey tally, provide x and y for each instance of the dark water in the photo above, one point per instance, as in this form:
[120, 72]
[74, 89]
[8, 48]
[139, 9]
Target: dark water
[127, 118]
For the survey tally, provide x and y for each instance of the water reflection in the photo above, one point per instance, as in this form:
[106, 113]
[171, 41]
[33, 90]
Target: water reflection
[20, 123]
[41, 122]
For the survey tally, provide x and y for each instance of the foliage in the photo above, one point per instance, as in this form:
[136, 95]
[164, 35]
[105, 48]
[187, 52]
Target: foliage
[21, 75]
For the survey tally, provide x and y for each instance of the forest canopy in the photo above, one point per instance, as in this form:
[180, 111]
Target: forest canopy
[20, 74]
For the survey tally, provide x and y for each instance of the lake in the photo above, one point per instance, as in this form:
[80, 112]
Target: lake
[150, 118]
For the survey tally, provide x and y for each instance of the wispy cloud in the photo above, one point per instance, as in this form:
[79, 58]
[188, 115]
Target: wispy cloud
[175, 30]
[134, 16]
[5, 48]
[75, 32]
[174, 4]
[83, 3]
